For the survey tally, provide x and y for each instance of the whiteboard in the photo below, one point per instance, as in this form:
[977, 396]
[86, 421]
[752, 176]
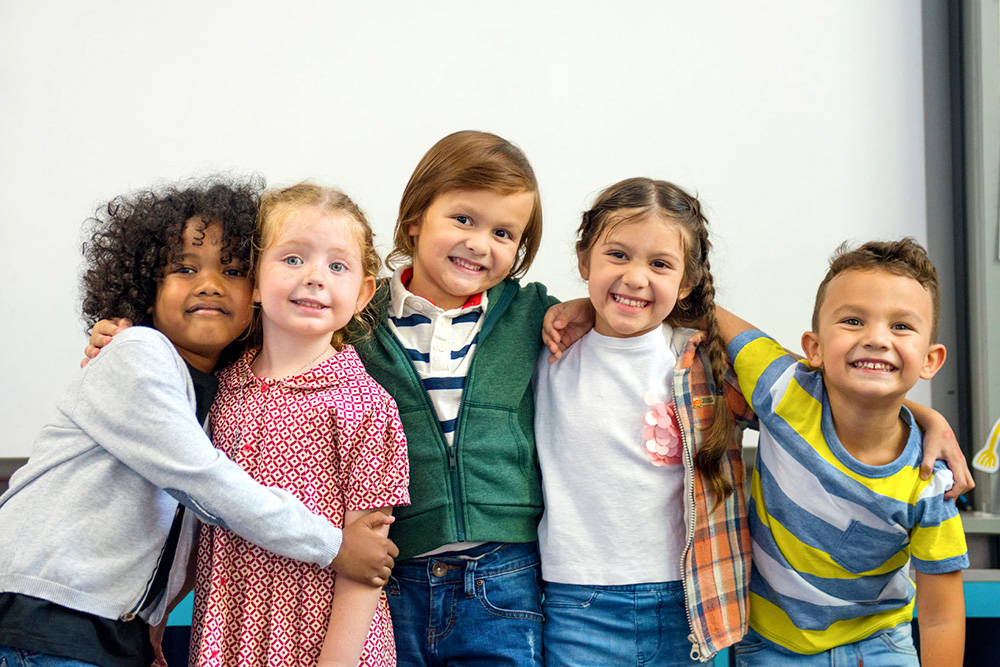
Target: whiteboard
[799, 125]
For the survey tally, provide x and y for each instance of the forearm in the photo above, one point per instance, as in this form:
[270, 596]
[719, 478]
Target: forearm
[942, 644]
[351, 616]
[941, 614]
[730, 325]
[350, 619]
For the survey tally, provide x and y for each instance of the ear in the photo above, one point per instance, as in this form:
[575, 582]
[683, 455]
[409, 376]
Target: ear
[366, 294]
[811, 348]
[934, 361]
[684, 292]
[413, 229]
[583, 263]
[255, 295]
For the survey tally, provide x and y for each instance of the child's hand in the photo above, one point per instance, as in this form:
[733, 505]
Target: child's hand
[564, 324]
[156, 639]
[940, 443]
[366, 554]
[102, 334]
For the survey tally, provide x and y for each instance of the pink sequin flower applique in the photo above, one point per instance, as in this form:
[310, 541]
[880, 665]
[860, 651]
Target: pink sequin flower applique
[661, 433]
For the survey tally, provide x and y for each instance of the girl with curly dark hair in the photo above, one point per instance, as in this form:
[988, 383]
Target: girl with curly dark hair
[92, 523]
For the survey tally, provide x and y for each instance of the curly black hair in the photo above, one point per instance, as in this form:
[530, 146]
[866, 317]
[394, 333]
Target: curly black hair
[133, 236]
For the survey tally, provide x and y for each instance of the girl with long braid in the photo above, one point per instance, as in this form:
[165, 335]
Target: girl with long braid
[644, 543]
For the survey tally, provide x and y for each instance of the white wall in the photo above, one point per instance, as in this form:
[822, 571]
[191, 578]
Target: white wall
[799, 124]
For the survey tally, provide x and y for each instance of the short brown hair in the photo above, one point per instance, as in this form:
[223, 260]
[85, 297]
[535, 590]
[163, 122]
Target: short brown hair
[276, 209]
[904, 257]
[468, 160]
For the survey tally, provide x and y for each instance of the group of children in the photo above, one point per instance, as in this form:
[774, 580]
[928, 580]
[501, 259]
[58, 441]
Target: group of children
[580, 503]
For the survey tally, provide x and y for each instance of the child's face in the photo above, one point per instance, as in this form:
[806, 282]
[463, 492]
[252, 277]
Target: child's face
[466, 243]
[874, 338]
[635, 274]
[311, 279]
[202, 304]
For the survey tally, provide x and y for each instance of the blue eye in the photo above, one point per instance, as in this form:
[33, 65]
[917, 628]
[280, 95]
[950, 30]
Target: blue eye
[338, 267]
[293, 261]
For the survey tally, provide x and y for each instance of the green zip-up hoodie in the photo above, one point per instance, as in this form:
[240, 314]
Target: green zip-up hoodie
[487, 487]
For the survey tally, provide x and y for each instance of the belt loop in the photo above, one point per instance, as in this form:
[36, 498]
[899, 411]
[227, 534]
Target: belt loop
[470, 578]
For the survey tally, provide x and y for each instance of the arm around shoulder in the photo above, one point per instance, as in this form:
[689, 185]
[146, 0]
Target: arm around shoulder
[133, 404]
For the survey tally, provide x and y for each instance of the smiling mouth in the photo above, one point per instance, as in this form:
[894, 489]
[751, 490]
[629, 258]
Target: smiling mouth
[866, 365]
[468, 266]
[632, 302]
[208, 309]
[309, 303]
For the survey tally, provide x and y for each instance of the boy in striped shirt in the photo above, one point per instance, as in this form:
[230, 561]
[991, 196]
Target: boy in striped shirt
[839, 509]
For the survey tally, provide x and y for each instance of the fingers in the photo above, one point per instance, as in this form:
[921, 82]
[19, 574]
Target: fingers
[376, 520]
[963, 484]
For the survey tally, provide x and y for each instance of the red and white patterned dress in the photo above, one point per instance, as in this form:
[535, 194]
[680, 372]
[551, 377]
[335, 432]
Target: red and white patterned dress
[332, 437]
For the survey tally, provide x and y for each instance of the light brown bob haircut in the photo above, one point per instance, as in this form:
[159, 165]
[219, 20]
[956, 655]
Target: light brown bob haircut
[468, 160]
[278, 207]
[904, 257]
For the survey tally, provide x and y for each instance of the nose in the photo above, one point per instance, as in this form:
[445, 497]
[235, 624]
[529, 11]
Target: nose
[635, 276]
[477, 242]
[212, 283]
[314, 276]
[876, 337]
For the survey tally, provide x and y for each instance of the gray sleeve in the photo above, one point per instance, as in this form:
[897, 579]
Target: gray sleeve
[133, 402]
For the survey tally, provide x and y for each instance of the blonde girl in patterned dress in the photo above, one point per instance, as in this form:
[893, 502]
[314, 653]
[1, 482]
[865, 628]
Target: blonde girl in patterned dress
[300, 412]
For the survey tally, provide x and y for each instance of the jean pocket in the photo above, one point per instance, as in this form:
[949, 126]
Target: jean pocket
[900, 640]
[568, 596]
[750, 645]
[392, 586]
[513, 595]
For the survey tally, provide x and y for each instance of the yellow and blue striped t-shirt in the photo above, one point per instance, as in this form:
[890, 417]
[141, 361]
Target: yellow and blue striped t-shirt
[832, 537]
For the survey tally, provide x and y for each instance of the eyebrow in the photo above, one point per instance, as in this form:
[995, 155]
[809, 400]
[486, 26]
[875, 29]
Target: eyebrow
[296, 244]
[865, 310]
[625, 246]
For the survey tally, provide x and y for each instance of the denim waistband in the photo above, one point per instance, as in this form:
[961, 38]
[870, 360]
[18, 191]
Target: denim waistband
[485, 560]
[656, 586]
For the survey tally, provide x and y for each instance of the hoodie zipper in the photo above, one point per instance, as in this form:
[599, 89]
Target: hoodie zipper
[489, 320]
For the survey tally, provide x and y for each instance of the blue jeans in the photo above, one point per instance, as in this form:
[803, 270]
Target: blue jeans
[482, 607]
[15, 657]
[893, 648]
[638, 624]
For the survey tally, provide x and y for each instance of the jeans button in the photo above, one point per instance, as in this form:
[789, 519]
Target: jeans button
[439, 569]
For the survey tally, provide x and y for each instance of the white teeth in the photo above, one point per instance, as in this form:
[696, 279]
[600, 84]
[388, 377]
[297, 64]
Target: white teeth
[874, 366]
[309, 304]
[466, 265]
[634, 303]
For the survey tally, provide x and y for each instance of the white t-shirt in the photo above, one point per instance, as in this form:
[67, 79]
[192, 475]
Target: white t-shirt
[611, 516]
